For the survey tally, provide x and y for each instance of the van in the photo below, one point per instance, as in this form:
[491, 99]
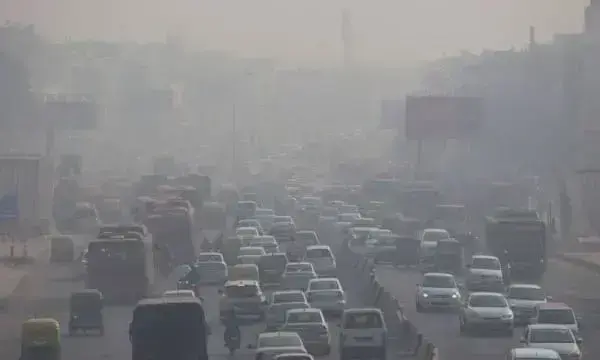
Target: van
[244, 272]
[556, 314]
[322, 259]
[363, 334]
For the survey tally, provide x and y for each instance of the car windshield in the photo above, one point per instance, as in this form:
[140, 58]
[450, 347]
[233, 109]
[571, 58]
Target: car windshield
[304, 317]
[485, 263]
[526, 293]
[307, 238]
[325, 295]
[363, 321]
[260, 212]
[318, 253]
[329, 212]
[324, 285]
[445, 282]
[381, 234]
[288, 297]
[273, 262]
[435, 236]
[551, 336]
[252, 251]
[210, 258]
[348, 217]
[279, 341]
[249, 223]
[493, 301]
[247, 232]
[299, 268]
[556, 316]
[241, 291]
[282, 219]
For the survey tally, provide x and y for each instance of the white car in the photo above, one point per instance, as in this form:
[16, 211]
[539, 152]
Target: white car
[266, 242]
[179, 294]
[485, 274]
[247, 231]
[276, 312]
[298, 275]
[554, 313]
[250, 255]
[331, 302]
[438, 290]
[554, 337]
[279, 297]
[486, 311]
[271, 344]
[322, 259]
[246, 223]
[532, 354]
[213, 268]
[363, 334]
[298, 356]
[432, 236]
[523, 298]
[324, 284]
[312, 327]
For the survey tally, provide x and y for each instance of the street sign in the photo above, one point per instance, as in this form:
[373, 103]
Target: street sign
[442, 117]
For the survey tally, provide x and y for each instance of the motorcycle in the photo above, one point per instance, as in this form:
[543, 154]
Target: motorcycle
[233, 344]
[186, 285]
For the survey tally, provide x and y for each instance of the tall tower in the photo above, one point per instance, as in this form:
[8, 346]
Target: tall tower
[592, 18]
[347, 38]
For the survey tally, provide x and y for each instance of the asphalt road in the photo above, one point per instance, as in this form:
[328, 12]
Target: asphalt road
[52, 284]
[564, 282]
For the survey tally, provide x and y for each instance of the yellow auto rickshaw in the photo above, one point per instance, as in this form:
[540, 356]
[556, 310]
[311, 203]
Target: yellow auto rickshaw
[62, 249]
[40, 339]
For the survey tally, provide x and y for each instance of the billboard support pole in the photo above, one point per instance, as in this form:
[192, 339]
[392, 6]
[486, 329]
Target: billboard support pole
[419, 155]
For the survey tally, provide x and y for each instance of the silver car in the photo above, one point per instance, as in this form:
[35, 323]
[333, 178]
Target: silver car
[485, 274]
[312, 327]
[298, 275]
[276, 313]
[438, 290]
[331, 302]
[486, 311]
[523, 299]
[554, 337]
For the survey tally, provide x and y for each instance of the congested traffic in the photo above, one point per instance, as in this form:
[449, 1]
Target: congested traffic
[255, 274]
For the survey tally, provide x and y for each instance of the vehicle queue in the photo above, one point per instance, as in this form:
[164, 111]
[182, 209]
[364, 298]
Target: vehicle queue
[295, 263]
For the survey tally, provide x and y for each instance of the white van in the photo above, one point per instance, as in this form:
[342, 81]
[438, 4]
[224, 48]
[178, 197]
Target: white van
[322, 259]
[363, 334]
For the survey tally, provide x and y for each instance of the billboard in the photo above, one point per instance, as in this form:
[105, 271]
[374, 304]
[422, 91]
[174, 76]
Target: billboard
[442, 117]
[393, 113]
[71, 113]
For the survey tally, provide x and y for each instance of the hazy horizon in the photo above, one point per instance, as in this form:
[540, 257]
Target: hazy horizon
[386, 32]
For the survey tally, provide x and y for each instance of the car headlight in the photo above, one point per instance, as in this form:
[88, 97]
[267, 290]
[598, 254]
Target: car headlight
[507, 317]
[455, 296]
[425, 295]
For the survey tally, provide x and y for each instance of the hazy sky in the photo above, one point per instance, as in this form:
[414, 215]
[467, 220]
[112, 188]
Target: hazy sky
[302, 32]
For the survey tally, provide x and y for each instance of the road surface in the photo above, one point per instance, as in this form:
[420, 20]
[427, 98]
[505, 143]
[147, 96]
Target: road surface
[565, 282]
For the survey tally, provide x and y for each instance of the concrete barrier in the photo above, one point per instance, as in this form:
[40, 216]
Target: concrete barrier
[400, 329]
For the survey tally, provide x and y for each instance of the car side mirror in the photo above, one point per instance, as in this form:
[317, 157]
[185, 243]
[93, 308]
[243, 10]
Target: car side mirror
[201, 298]
[549, 298]
[130, 331]
[579, 341]
[220, 292]
[468, 266]
[523, 340]
[251, 346]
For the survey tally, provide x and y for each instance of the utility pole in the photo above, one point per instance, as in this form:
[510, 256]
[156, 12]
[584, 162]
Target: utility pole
[233, 142]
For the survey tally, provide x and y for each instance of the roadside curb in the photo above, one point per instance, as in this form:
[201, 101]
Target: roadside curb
[579, 262]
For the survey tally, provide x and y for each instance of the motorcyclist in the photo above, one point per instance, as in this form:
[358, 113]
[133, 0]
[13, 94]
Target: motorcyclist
[191, 279]
[232, 331]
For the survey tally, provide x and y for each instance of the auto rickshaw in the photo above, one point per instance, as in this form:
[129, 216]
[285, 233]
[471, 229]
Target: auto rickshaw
[62, 249]
[86, 312]
[449, 256]
[40, 339]
[407, 251]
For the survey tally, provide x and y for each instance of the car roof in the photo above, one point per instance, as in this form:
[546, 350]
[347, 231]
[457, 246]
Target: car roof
[178, 292]
[251, 247]
[554, 306]
[438, 274]
[168, 300]
[304, 263]
[241, 282]
[278, 334]
[547, 327]
[243, 266]
[485, 293]
[246, 228]
[318, 247]
[211, 253]
[365, 228]
[535, 353]
[435, 230]
[306, 355]
[325, 279]
[524, 286]
[306, 232]
[305, 310]
[484, 257]
[287, 292]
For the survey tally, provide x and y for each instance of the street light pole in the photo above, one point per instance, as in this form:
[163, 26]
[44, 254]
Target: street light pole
[233, 142]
